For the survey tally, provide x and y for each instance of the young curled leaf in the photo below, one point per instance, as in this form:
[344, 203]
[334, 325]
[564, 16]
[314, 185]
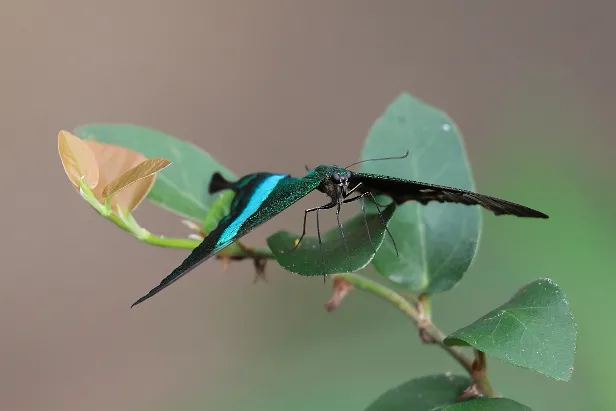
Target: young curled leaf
[142, 176]
[114, 161]
[109, 171]
[182, 189]
[77, 159]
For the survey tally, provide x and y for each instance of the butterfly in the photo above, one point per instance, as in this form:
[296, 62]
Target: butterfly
[261, 196]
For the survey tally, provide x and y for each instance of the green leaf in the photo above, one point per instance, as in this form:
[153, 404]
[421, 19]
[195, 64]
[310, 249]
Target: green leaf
[487, 404]
[308, 259]
[181, 188]
[422, 394]
[220, 208]
[533, 330]
[437, 242]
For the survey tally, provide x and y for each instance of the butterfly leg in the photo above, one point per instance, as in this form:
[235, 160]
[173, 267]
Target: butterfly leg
[310, 210]
[353, 189]
[362, 197]
[342, 232]
[321, 245]
[378, 209]
[363, 210]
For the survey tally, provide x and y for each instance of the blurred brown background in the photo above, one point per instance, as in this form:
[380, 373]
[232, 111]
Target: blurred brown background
[261, 85]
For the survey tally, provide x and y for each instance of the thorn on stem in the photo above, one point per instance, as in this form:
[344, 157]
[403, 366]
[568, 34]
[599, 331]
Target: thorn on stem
[341, 288]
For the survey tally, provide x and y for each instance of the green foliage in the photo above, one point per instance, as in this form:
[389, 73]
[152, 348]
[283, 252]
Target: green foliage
[533, 330]
[437, 242]
[220, 208]
[487, 404]
[183, 187]
[308, 259]
[422, 394]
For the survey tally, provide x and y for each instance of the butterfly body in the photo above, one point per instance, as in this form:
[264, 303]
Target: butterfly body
[261, 196]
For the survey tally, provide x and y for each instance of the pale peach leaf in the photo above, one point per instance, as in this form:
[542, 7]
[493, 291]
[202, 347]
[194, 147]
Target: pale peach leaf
[139, 172]
[132, 187]
[77, 159]
[113, 162]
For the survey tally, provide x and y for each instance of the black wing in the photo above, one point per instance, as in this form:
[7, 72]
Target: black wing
[259, 197]
[406, 190]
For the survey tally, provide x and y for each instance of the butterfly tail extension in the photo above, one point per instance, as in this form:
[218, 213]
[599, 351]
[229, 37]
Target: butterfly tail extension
[196, 257]
[219, 183]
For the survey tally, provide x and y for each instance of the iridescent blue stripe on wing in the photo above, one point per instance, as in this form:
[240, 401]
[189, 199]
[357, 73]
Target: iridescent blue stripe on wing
[256, 200]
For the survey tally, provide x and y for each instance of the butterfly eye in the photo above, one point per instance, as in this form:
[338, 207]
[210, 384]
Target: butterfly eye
[336, 177]
[349, 175]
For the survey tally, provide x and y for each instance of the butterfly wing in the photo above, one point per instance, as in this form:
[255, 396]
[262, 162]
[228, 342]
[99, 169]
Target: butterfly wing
[259, 197]
[406, 190]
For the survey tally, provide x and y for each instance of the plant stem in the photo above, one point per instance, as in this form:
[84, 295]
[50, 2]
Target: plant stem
[480, 375]
[425, 305]
[410, 311]
[127, 223]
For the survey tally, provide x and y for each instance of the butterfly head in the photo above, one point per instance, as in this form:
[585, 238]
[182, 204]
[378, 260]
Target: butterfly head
[341, 178]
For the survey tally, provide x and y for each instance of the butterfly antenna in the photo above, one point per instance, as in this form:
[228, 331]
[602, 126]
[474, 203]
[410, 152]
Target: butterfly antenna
[379, 159]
